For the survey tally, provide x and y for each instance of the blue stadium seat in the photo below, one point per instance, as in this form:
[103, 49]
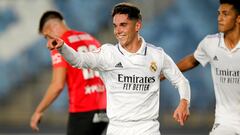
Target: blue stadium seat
[178, 31]
[7, 17]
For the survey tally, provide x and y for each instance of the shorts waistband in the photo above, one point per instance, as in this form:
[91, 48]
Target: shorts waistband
[131, 123]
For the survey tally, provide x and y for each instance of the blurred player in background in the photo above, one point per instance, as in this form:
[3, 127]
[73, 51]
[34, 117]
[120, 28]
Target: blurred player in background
[222, 51]
[87, 95]
[131, 71]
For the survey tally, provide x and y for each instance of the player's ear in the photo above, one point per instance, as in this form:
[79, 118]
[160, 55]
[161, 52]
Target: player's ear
[238, 19]
[138, 25]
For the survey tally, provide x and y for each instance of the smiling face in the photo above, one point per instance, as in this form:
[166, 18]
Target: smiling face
[125, 30]
[228, 19]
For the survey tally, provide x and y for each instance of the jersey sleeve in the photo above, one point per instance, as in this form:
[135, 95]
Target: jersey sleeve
[57, 59]
[174, 75]
[95, 60]
[200, 53]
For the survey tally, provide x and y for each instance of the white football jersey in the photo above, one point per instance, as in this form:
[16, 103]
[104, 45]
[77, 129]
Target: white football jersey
[225, 68]
[132, 79]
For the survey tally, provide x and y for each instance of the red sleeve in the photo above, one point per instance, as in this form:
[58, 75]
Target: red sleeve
[57, 59]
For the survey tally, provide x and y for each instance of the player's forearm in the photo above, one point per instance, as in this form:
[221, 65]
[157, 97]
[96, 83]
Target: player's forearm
[184, 102]
[187, 63]
[80, 59]
[184, 89]
[49, 97]
[70, 55]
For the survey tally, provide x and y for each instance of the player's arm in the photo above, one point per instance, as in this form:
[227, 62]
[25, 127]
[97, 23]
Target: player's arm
[95, 60]
[174, 75]
[53, 91]
[185, 64]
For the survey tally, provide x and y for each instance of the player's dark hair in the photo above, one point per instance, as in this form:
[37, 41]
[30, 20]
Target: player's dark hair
[132, 11]
[235, 3]
[47, 16]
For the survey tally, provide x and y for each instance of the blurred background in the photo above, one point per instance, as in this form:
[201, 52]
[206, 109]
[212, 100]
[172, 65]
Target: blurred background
[25, 66]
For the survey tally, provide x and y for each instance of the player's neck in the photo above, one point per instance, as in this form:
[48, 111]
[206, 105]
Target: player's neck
[232, 38]
[63, 30]
[134, 46]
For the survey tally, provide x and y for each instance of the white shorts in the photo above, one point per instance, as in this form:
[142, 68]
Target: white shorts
[133, 128]
[223, 129]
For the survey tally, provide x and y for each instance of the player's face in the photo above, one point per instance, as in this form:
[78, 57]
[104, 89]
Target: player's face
[125, 30]
[52, 28]
[228, 20]
[47, 30]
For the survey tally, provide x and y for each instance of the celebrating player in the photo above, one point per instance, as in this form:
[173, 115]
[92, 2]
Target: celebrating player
[131, 71]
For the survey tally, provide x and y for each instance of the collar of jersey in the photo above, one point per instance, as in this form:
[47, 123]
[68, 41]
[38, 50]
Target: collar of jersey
[222, 43]
[141, 51]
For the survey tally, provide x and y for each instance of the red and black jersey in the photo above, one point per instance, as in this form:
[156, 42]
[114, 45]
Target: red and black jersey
[85, 87]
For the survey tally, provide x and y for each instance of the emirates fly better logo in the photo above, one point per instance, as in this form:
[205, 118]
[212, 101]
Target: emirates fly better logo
[153, 66]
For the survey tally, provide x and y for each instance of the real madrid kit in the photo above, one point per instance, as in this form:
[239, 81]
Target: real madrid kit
[133, 84]
[225, 68]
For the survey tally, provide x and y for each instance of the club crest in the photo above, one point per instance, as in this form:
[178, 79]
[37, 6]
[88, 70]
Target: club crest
[153, 66]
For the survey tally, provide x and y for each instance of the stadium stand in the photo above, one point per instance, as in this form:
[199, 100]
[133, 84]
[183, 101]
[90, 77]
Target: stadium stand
[178, 30]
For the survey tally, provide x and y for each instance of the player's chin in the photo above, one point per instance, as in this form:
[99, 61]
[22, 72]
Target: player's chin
[122, 42]
[221, 29]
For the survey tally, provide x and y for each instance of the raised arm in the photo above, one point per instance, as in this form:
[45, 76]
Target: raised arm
[69, 54]
[94, 60]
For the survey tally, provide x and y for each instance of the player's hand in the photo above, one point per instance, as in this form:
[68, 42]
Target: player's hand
[35, 120]
[182, 113]
[162, 77]
[54, 42]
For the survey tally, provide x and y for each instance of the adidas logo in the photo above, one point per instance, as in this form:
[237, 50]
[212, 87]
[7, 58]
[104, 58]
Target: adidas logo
[119, 65]
[215, 58]
[215, 126]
